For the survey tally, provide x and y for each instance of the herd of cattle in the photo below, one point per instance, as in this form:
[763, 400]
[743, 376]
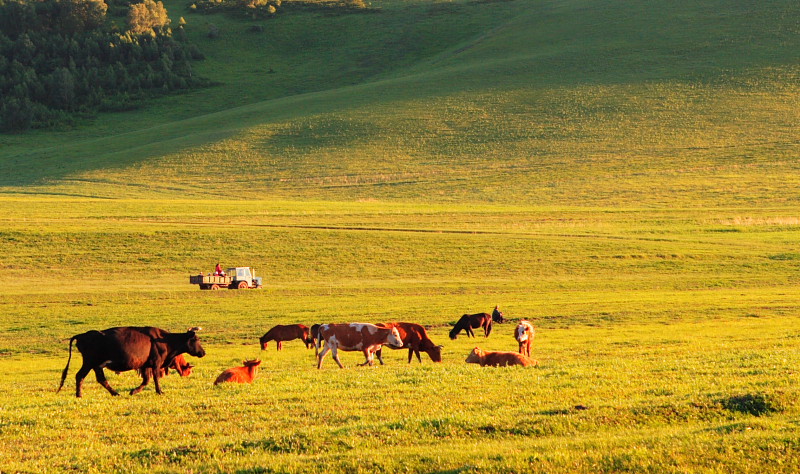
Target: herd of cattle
[153, 352]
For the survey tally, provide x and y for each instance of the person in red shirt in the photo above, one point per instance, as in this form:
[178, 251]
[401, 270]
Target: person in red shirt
[218, 271]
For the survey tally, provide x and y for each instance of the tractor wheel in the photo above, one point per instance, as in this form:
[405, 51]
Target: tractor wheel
[215, 287]
[243, 285]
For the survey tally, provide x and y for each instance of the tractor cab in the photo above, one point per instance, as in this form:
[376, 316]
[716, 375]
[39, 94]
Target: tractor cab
[244, 277]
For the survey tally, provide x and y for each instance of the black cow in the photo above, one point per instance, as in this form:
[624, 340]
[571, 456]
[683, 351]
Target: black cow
[130, 348]
[468, 322]
[314, 332]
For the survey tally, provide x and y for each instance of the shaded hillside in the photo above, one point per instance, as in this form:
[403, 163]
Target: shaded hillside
[559, 102]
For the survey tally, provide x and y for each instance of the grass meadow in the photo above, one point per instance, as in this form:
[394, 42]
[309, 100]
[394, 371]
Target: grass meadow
[623, 174]
[667, 340]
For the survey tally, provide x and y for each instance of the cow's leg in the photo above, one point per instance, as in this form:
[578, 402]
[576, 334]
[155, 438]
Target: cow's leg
[416, 351]
[379, 355]
[101, 379]
[280, 345]
[335, 355]
[82, 373]
[368, 358]
[321, 355]
[470, 332]
[157, 381]
[146, 373]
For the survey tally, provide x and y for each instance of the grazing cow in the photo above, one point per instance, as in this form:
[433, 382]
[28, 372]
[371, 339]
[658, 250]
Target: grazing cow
[416, 339]
[497, 315]
[469, 322]
[498, 359]
[524, 335]
[288, 332]
[179, 365]
[130, 348]
[244, 374]
[364, 337]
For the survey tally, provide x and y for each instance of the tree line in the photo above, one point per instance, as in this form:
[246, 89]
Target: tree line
[63, 59]
[268, 8]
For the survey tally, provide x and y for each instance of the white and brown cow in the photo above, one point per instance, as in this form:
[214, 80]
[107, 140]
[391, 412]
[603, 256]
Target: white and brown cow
[364, 337]
[524, 335]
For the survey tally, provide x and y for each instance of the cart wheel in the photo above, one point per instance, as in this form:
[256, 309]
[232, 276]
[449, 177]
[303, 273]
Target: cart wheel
[243, 285]
[215, 287]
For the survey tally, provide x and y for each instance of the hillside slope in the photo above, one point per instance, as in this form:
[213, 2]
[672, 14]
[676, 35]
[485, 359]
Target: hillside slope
[554, 102]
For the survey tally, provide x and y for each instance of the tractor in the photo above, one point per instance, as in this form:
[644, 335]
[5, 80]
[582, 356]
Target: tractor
[236, 278]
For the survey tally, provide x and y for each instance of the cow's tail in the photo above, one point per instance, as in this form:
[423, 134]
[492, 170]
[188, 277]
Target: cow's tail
[489, 327]
[64, 373]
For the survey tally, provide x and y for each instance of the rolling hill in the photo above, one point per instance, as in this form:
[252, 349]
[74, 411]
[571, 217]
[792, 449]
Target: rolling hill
[536, 102]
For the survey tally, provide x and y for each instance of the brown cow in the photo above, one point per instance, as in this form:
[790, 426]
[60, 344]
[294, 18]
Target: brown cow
[524, 334]
[364, 337]
[498, 359]
[288, 332]
[469, 322]
[416, 339]
[130, 348]
[244, 374]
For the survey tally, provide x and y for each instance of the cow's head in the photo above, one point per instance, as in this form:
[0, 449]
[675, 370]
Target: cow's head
[454, 332]
[522, 331]
[394, 338]
[307, 339]
[475, 357]
[193, 346]
[436, 353]
[185, 369]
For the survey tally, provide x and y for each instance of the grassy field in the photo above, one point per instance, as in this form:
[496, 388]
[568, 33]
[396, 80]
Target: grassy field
[676, 330]
[624, 175]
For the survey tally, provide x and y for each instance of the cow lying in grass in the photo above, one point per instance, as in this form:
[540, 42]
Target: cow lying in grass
[244, 374]
[498, 359]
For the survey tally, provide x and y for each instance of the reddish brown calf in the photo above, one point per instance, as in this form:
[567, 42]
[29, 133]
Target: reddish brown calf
[244, 374]
[498, 359]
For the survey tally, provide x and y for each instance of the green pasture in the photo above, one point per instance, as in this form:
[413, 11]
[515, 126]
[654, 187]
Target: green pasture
[623, 174]
[667, 340]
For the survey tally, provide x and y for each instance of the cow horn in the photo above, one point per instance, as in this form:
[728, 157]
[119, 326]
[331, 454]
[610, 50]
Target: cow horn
[195, 329]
